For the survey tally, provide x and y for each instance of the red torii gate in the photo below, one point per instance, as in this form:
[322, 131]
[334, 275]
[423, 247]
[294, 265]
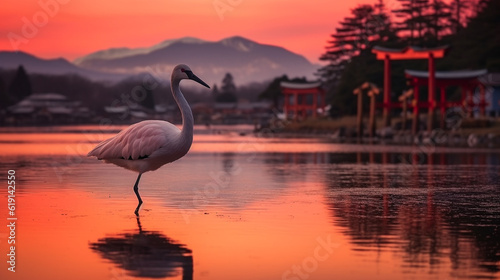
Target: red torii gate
[468, 80]
[302, 99]
[411, 52]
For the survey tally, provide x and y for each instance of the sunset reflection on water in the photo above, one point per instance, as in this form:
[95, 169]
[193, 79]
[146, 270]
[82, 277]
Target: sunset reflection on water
[242, 207]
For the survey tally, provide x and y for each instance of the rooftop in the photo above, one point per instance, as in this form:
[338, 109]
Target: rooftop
[461, 74]
[300, 85]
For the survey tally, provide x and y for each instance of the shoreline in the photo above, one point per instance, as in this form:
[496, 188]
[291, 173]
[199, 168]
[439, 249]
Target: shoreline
[462, 138]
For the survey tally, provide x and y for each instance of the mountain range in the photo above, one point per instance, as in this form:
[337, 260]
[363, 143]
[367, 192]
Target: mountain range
[58, 66]
[246, 60]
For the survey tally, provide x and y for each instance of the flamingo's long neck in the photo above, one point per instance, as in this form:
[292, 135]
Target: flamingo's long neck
[187, 115]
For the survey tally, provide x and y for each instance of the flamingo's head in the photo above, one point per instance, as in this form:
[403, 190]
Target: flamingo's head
[183, 71]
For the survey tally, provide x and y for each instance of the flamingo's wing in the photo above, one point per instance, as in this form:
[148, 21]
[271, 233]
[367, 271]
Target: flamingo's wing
[136, 142]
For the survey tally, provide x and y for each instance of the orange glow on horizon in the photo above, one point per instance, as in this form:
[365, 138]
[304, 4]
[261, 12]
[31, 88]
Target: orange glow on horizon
[71, 29]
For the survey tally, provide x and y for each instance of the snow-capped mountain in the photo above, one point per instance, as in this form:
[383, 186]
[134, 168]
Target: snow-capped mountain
[246, 60]
[114, 53]
[58, 66]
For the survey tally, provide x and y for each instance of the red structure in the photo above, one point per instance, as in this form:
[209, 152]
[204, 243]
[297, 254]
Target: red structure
[387, 55]
[302, 100]
[467, 80]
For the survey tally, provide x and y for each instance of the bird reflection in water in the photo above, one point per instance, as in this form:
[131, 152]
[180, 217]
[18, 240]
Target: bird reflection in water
[146, 254]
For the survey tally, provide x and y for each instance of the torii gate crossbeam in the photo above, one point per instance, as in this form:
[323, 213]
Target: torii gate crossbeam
[387, 55]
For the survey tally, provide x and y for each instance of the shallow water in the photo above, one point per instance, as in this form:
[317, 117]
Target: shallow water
[245, 207]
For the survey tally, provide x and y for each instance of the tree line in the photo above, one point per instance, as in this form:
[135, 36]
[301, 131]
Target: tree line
[16, 85]
[470, 27]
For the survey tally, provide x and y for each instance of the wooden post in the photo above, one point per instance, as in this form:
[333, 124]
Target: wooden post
[432, 89]
[372, 123]
[371, 90]
[372, 114]
[404, 104]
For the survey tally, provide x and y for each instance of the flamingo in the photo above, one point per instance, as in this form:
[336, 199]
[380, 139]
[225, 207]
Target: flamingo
[148, 145]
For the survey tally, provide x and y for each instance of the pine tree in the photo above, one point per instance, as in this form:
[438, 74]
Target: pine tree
[406, 13]
[352, 43]
[383, 29]
[458, 9]
[215, 90]
[367, 27]
[228, 85]
[439, 12]
[476, 45]
[20, 87]
[228, 90]
[414, 20]
[422, 19]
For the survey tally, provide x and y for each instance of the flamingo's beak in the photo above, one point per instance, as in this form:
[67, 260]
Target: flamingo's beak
[195, 78]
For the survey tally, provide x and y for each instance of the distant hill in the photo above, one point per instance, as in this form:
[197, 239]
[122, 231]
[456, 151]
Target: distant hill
[246, 60]
[59, 66]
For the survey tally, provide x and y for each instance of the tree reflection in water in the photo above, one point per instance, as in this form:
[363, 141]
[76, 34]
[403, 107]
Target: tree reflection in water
[428, 212]
[425, 207]
[146, 254]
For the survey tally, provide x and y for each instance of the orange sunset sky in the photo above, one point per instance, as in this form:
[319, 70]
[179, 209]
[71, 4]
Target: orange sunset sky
[73, 28]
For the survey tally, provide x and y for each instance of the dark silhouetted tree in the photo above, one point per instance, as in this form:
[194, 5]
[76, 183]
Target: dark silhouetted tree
[414, 20]
[20, 87]
[368, 26]
[352, 43]
[215, 90]
[439, 14]
[476, 45]
[228, 90]
[228, 85]
[458, 18]
[384, 33]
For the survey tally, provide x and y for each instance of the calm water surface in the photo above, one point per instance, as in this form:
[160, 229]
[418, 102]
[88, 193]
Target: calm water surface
[245, 207]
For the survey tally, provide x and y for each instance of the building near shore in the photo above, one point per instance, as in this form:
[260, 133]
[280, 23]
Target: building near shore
[232, 112]
[492, 83]
[303, 100]
[47, 108]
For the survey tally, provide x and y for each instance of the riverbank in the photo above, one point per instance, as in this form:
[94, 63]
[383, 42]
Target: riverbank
[465, 133]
